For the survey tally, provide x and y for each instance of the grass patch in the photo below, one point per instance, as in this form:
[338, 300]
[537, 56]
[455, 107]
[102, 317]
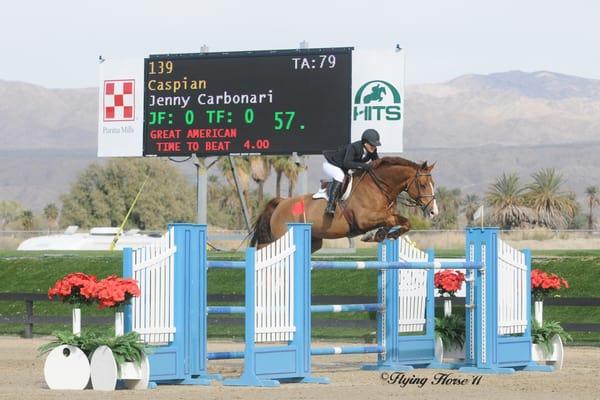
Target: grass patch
[35, 272]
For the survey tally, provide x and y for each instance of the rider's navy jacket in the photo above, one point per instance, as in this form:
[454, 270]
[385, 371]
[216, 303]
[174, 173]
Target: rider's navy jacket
[350, 156]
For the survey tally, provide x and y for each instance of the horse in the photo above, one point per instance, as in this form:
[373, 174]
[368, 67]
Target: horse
[371, 205]
[375, 94]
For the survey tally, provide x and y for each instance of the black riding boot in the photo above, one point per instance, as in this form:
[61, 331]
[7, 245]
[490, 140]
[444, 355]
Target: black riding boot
[334, 192]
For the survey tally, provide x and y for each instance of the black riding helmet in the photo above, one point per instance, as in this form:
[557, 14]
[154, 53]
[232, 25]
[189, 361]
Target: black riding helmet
[371, 136]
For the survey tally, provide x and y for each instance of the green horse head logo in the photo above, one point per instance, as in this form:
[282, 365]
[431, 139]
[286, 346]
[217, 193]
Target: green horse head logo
[375, 93]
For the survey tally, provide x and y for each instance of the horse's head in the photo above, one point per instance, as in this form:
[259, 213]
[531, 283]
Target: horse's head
[401, 175]
[421, 189]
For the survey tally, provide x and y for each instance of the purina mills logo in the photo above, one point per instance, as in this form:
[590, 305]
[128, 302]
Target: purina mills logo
[377, 101]
[119, 100]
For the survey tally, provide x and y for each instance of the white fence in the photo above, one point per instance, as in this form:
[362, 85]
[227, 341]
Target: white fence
[412, 301]
[512, 287]
[153, 312]
[274, 291]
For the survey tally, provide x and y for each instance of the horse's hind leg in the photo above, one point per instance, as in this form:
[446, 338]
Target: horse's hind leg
[315, 244]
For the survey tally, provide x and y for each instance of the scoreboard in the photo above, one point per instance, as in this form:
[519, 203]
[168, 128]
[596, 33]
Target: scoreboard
[267, 102]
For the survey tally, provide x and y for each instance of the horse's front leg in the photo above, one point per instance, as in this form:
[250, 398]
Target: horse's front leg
[393, 220]
[396, 220]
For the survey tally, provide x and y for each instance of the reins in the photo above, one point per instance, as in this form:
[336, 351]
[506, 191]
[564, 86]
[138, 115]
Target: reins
[384, 188]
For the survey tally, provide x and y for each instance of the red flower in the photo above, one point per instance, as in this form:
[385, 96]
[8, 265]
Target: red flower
[114, 291]
[544, 284]
[75, 288]
[448, 281]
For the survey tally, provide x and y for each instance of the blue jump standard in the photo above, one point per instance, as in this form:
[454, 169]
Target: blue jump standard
[184, 359]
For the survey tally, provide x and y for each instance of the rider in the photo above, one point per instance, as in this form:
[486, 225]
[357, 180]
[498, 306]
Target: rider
[355, 155]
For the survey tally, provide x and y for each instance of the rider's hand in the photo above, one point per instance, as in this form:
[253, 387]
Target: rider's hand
[367, 167]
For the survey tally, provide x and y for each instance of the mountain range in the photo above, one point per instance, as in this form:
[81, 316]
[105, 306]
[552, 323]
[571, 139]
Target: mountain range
[475, 127]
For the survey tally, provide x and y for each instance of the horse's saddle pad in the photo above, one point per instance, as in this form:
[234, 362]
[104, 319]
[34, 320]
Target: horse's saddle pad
[346, 187]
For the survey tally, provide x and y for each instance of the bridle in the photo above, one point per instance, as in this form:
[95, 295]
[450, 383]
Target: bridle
[409, 202]
[417, 202]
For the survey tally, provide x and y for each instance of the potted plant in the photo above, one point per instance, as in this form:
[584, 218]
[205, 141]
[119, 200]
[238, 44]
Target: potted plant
[547, 337]
[67, 365]
[449, 328]
[122, 357]
[77, 289]
[115, 292]
[75, 357]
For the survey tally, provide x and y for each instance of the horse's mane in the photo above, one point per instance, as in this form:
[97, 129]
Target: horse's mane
[395, 161]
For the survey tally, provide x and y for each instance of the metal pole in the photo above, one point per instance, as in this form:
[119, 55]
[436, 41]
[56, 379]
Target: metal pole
[201, 190]
[201, 179]
[240, 194]
[303, 176]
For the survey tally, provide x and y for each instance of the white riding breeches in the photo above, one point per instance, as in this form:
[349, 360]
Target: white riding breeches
[333, 172]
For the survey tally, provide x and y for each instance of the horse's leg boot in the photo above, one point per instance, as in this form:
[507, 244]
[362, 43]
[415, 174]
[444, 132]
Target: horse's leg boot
[334, 192]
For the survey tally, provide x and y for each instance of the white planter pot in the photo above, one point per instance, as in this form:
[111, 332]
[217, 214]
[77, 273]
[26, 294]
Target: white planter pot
[104, 371]
[444, 355]
[67, 368]
[555, 358]
[454, 353]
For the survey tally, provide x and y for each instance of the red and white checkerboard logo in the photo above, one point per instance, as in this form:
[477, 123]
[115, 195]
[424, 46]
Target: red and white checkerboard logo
[119, 100]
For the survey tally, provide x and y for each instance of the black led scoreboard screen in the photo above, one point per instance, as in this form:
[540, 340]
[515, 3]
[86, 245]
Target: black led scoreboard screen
[258, 102]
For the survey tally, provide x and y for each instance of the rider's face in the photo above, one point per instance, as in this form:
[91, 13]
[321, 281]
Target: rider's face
[370, 148]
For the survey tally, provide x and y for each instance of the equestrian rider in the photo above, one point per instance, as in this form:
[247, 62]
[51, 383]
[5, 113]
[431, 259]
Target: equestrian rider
[355, 155]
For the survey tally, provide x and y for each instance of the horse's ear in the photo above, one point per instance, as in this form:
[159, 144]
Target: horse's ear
[424, 165]
[431, 166]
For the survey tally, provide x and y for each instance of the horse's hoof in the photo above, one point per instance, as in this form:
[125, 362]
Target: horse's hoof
[380, 235]
[368, 237]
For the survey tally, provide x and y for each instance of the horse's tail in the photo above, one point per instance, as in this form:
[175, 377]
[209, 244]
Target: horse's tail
[261, 231]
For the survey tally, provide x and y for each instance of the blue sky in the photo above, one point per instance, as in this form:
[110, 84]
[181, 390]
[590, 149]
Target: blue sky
[56, 43]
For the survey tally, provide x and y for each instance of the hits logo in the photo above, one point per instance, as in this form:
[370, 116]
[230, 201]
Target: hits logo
[376, 101]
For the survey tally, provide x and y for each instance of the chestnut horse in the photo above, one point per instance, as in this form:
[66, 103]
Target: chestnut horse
[371, 205]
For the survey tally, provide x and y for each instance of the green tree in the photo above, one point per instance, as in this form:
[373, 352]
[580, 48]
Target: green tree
[9, 212]
[448, 201]
[593, 200]
[27, 220]
[552, 207]
[51, 215]
[506, 197]
[102, 195]
[470, 204]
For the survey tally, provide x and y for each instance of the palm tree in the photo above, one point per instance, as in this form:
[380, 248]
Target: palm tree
[27, 220]
[505, 196]
[592, 200]
[51, 214]
[470, 204]
[260, 169]
[448, 201]
[279, 164]
[553, 208]
[9, 212]
[292, 171]
[243, 172]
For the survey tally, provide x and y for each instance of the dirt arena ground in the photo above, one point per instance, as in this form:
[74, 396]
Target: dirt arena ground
[21, 377]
